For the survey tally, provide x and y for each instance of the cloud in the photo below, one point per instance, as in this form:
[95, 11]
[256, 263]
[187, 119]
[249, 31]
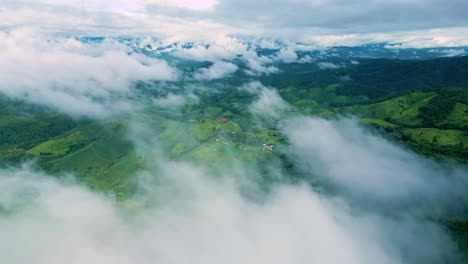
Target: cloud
[325, 23]
[342, 16]
[183, 213]
[286, 55]
[220, 48]
[450, 52]
[327, 65]
[256, 67]
[269, 102]
[175, 100]
[216, 71]
[223, 49]
[71, 76]
[454, 52]
[361, 163]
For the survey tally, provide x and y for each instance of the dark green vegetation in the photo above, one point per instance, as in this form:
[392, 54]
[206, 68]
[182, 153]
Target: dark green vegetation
[421, 104]
[379, 78]
[376, 78]
[447, 110]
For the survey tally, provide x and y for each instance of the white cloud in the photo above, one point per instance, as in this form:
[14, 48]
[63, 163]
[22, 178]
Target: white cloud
[454, 52]
[184, 214]
[220, 48]
[216, 71]
[423, 38]
[227, 48]
[370, 167]
[334, 23]
[448, 52]
[256, 67]
[327, 65]
[175, 100]
[269, 102]
[77, 78]
[306, 59]
[286, 55]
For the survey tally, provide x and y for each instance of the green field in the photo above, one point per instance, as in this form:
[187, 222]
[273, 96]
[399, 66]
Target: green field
[58, 146]
[448, 137]
[457, 118]
[402, 110]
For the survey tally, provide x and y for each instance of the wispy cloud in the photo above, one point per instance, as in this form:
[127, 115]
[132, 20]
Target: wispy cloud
[184, 213]
[366, 165]
[72, 76]
[327, 65]
[269, 103]
[216, 71]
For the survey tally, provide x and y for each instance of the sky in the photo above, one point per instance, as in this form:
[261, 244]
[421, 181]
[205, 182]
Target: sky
[328, 22]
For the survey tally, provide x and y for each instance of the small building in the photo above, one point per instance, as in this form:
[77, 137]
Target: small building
[223, 120]
[268, 147]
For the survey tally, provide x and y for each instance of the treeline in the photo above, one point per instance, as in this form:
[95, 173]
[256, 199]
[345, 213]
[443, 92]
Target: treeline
[27, 132]
[457, 152]
[375, 78]
[440, 106]
[381, 77]
[299, 75]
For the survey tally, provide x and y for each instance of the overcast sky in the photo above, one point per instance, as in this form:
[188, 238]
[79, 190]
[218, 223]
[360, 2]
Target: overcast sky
[439, 22]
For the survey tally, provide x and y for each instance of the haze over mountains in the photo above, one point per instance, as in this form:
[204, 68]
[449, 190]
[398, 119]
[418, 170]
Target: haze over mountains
[235, 132]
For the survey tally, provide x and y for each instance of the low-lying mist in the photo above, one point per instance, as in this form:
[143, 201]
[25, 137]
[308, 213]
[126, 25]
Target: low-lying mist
[73, 76]
[378, 203]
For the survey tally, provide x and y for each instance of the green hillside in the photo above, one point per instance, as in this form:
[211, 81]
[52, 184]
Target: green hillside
[401, 110]
[219, 129]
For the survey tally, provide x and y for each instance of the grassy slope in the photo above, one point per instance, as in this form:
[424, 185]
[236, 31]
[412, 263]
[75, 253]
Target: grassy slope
[402, 110]
[400, 116]
[59, 146]
[95, 152]
[99, 153]
[458, 117]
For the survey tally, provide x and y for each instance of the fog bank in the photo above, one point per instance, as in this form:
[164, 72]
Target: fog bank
[185, 214]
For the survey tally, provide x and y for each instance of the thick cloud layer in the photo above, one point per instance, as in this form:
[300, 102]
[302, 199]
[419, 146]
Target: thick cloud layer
[427, 22]
[201, 220]
[342, 16]
[366, 166]
[72, 76]
[185, 214]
